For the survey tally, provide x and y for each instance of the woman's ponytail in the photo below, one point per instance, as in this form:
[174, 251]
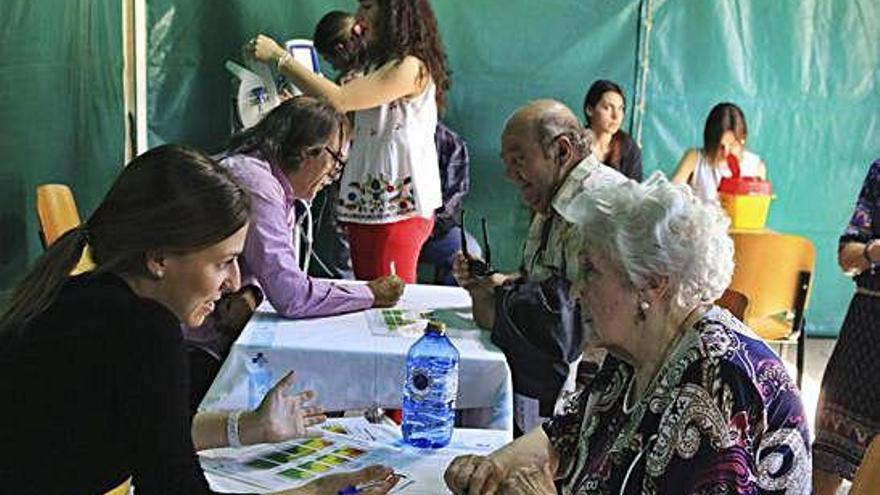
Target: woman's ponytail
[171, 198]
[41, 285]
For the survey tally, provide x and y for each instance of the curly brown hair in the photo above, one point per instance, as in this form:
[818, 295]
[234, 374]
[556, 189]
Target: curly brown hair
[409, 27]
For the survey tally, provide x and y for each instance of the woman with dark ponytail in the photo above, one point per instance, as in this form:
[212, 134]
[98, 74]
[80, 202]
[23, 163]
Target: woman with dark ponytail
[93, 371]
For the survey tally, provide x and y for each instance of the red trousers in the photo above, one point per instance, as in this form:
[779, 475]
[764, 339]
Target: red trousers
[375, 246]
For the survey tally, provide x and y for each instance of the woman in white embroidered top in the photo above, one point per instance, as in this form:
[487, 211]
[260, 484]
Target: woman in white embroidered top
[391, 185]
[725, 134]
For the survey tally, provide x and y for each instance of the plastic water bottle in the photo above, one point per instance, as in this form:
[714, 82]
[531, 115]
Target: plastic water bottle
[259, 379]
[430, 389]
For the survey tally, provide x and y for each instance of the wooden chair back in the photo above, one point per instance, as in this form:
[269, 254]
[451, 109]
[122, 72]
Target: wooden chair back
[773, 271]
[57, 214]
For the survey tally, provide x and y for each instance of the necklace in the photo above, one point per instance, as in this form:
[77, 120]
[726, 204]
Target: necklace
[690, 318]
[693, 315]
[627, 407]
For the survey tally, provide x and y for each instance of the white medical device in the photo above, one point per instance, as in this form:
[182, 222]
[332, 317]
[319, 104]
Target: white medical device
[258, 88]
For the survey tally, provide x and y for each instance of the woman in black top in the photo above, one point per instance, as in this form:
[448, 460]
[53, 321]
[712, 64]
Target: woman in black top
[93, 371]
[604, 109]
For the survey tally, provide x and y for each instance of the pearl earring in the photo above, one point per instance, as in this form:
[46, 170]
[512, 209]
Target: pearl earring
[641, 313]
[160, 273]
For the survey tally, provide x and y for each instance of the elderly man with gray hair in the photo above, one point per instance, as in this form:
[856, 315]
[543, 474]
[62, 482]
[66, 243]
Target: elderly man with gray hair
[546, 152]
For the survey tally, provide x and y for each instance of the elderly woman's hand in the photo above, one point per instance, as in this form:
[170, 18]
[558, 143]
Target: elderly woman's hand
[264, 49]
[474, 475]
[282, 415]
[530, 480]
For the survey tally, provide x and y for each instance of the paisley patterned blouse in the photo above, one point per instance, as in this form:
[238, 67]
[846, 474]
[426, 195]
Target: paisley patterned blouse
[721, 416]
[865, 223]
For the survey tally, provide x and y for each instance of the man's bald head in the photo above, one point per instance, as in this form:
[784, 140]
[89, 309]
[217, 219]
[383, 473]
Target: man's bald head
[546, 120]
[541, 142]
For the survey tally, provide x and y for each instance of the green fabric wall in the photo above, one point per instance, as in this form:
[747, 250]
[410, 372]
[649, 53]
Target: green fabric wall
[61, 109]
[805, 73]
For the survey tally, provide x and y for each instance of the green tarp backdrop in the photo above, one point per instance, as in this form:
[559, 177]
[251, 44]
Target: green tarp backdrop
[61, 111]
[804, 71]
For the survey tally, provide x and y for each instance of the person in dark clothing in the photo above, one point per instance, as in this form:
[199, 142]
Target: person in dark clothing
[604, 109]
[93, 367]
[848, 413]
[445, 240]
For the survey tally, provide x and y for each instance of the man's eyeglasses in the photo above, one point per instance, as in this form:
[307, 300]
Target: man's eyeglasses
[337, 157]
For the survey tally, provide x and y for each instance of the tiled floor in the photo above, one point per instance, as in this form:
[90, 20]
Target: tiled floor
[816, 356]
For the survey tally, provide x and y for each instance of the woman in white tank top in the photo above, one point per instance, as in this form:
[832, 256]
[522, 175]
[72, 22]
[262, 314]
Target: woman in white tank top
[724, 134]
[391, 184]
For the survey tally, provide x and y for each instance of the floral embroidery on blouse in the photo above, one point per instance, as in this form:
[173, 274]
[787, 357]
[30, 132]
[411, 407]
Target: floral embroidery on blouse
[721, 416]
[378, 197]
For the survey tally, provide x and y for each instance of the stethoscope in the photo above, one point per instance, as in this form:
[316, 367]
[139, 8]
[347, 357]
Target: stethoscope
[305, 234]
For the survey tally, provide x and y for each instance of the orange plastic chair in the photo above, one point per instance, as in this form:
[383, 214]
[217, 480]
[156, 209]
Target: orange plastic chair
[774, 272]
[867, 477]
[57, 214]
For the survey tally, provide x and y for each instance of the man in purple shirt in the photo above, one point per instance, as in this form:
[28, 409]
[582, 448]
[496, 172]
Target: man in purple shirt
[283, 162]
[309, 137]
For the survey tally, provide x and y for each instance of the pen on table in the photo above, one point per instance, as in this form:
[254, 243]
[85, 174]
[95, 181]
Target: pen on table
[353, 489]
[366, 431]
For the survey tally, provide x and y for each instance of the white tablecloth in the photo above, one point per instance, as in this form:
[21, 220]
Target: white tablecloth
[424, 467]
[351, 368]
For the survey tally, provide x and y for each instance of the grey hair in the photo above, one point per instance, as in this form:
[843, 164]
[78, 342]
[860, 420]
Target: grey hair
[657, 229]
[552, 124]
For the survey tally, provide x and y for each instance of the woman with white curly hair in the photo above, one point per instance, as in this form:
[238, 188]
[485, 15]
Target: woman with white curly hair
[689, 400]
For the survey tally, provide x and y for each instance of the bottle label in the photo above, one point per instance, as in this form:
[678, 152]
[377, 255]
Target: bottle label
[425, 384]
[420, 384]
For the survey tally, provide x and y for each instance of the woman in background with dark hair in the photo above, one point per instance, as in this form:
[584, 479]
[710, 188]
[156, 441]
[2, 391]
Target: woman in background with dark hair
[391, 186]
[724, 135]
[93, 368]
[604, 109]
[338, 39]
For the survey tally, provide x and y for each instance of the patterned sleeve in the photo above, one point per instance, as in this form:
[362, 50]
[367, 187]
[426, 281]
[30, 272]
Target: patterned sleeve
[718, 436]
[861, 225]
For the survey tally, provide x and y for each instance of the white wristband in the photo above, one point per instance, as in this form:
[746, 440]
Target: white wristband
[232, 429]
[283, 60]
